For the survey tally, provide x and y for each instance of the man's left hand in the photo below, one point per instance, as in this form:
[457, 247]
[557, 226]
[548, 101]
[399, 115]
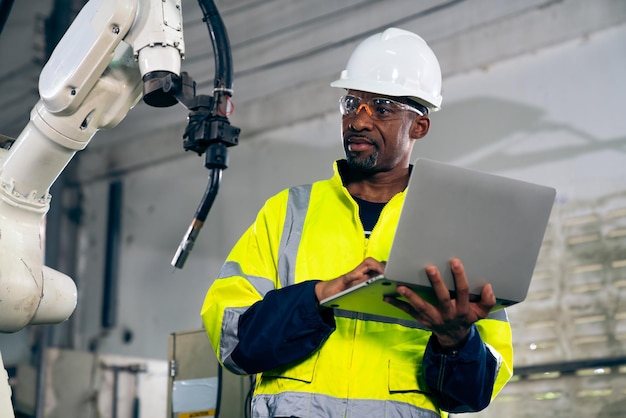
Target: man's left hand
[449, 319]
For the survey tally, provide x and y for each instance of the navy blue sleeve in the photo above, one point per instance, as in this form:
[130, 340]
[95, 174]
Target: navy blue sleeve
[285, 326]
[462, 381]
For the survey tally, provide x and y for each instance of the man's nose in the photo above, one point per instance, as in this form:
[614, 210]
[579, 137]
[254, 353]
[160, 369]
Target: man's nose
[360, 121]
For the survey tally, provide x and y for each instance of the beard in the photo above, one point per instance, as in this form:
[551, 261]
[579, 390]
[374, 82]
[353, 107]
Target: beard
[363, 164]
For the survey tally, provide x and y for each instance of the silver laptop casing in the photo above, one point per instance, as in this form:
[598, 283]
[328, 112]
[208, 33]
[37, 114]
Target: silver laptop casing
[494, 224]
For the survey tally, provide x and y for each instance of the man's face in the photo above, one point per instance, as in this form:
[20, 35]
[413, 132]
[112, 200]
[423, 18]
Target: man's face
[373, 145]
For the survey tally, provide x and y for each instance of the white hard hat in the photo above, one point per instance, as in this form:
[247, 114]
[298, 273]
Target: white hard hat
[397, 63]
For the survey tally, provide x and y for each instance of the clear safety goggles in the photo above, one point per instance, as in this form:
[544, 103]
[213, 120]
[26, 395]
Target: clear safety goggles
[378, 108]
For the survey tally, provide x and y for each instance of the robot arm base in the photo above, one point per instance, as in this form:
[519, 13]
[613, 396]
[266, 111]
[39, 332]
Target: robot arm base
[30, 293]
[58, 298]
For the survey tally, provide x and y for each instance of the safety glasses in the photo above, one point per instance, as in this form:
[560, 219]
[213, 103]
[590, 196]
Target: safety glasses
[377, 108]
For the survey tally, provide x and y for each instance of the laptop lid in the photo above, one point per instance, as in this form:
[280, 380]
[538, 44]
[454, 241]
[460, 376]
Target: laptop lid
[494, 224]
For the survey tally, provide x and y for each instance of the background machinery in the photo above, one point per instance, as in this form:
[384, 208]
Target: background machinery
[113, 54]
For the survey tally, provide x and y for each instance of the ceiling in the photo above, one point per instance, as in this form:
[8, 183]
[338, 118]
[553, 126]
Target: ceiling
[285, 52]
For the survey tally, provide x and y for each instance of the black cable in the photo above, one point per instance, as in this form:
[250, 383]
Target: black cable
[218, 403]
[221, 45]
[210, 194]
[208, 129]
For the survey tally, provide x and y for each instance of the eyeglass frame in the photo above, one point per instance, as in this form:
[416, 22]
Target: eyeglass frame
[369, 104]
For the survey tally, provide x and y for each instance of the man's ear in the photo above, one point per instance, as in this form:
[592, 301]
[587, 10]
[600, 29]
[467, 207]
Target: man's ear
[420, 127]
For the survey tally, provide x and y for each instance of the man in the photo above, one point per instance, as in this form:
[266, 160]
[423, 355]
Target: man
[262, 313]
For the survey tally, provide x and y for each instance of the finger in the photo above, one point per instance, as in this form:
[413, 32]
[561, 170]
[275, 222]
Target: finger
[415, 301]
[367, 269]
[416, 307]
[487, 300]
[400, 304]
[372, 266]
[461, 285]
[439, 287]
[419, 308]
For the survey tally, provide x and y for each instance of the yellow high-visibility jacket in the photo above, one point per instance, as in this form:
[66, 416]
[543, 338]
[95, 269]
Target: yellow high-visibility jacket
[346, 364]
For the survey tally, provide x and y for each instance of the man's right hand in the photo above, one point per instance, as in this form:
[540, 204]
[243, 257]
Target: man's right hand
[366, 270]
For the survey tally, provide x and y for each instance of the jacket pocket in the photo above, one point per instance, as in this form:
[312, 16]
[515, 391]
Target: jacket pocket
[302, 371]
[406, 377]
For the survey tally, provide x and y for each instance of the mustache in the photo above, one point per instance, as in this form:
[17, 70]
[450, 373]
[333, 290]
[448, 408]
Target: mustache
[349, 136]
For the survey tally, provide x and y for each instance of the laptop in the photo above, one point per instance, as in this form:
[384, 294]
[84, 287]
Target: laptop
[495, 225]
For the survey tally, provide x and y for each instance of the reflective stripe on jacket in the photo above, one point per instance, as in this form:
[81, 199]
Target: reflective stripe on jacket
[368, 366]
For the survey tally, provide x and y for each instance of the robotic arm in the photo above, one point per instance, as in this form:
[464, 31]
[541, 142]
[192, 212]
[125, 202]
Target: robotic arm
[115, 52]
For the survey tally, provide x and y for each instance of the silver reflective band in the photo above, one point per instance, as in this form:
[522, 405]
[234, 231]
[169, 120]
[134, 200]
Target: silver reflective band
[315, 405]
[297, 207]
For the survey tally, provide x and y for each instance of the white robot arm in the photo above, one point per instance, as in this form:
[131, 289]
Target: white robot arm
[91, 81]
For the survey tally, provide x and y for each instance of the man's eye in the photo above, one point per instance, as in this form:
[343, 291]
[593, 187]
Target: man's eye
[351, 104]
[383, 110]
